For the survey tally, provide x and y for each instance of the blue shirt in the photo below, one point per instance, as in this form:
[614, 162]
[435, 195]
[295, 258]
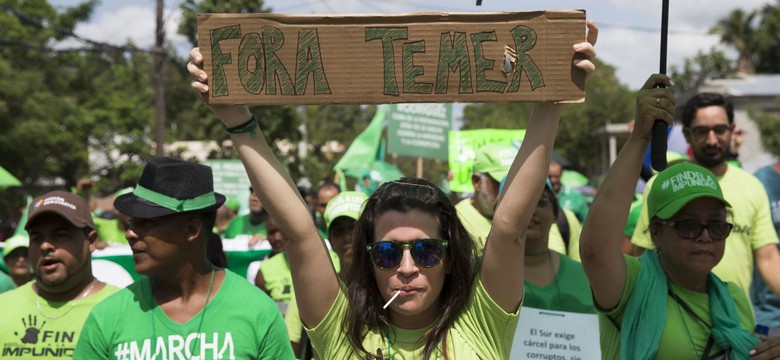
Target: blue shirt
[765, 303]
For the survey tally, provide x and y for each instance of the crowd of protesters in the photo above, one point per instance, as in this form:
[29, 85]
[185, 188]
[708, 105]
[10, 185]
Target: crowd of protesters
[688, 269]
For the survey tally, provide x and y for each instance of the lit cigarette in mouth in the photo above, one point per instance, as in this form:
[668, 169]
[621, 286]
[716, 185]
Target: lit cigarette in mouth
[391, 299]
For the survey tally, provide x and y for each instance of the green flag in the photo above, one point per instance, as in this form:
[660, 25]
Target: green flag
[362, 151]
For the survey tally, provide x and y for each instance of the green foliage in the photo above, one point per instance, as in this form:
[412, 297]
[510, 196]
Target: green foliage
[769, 126]
[766, 42]
[697, 69]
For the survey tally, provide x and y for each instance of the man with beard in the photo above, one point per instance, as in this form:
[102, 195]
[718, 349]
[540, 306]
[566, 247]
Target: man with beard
[491, 164]
[253, 224]
[43, 318]
[708, 124]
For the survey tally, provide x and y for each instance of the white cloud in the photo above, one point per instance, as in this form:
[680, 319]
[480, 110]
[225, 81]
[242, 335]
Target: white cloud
[625, 41]
[130, 23]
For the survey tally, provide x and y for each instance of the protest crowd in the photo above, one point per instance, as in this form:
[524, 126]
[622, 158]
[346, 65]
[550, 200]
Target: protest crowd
[525, 266]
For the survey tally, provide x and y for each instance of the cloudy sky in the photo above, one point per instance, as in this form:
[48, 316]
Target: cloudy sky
[629, 38]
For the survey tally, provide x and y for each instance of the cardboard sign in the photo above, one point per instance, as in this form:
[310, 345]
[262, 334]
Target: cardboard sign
[548, 334]
[375, 59]
[419, 130]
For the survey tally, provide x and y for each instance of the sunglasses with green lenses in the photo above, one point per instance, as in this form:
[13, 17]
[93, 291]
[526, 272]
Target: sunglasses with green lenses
[425, 252]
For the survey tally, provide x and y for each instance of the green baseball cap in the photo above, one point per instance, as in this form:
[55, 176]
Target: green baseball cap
[494, 159]
[15, 242]
[677, 185]
[346, 203]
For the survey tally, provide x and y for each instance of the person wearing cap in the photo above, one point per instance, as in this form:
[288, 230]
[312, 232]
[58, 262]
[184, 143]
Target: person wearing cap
[43, 318]
[668, 304]
[184, 307]
[340, 216]
[17, 259]
[708, 125]
[491, 164]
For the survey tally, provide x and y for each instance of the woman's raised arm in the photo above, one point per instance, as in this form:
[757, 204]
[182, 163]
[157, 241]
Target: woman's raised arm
[314, 278]
[502, 265]
[603, 228]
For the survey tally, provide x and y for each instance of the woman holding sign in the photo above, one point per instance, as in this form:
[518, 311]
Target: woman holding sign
[414, 289]
[667, 304]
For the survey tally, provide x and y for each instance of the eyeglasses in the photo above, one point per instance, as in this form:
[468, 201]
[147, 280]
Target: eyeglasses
[703, 131]
[425, 252]
[691, 229]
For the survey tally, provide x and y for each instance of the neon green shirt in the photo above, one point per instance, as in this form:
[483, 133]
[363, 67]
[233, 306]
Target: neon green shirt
[682, 332]
[482, 331]
[277, 276]
[242, 226]
[108, 230]
[479, 228]
[476, 224]
[52, 332]
[753, 227]
[555, 239]
[240, 322]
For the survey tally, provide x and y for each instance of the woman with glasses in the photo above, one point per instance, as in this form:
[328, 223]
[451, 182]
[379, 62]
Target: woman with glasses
[415, 288]
[667, 304]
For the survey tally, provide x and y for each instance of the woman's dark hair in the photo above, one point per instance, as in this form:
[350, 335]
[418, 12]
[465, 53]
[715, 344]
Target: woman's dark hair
[556, 207]
[365, 310]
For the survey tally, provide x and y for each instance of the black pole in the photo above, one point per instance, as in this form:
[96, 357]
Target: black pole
[660, 129]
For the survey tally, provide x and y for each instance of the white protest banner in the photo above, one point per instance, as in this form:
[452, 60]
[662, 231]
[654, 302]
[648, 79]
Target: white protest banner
[556, 335]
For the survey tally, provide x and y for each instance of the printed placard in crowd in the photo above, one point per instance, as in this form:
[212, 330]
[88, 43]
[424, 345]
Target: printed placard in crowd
[373, 59]
[463, 145]
[556, 335]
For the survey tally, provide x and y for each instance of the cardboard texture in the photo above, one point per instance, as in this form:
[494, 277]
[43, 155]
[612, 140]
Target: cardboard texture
[383, 59]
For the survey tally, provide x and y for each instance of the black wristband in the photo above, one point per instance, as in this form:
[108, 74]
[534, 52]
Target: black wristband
[247, 127]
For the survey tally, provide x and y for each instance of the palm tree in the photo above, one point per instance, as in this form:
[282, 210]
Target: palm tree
[737, 30]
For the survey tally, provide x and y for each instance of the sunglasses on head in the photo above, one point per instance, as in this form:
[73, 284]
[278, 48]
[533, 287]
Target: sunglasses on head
[691, 229]
[425, 252]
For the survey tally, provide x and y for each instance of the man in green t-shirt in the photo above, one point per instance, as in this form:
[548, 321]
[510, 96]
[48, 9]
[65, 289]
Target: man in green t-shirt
[252, 224]
[42, 319]
[184, 307]
[708, 125]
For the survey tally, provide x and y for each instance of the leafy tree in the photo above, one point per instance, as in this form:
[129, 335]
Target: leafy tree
[769, 126]
[737, 31]
[767, 40]
[52, 101]
[697, 69]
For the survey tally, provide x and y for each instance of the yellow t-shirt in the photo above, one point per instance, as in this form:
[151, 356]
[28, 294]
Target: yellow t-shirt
[49, 332]
[482, 331]
[555, 239]
[479, 228]
[753, 227]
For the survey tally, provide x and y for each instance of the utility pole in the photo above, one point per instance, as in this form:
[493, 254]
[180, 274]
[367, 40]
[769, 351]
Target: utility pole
[159, 83]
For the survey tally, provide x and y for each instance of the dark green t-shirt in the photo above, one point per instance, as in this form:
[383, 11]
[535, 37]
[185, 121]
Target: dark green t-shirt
[242, 226]
[570, 291]
[240, 322]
